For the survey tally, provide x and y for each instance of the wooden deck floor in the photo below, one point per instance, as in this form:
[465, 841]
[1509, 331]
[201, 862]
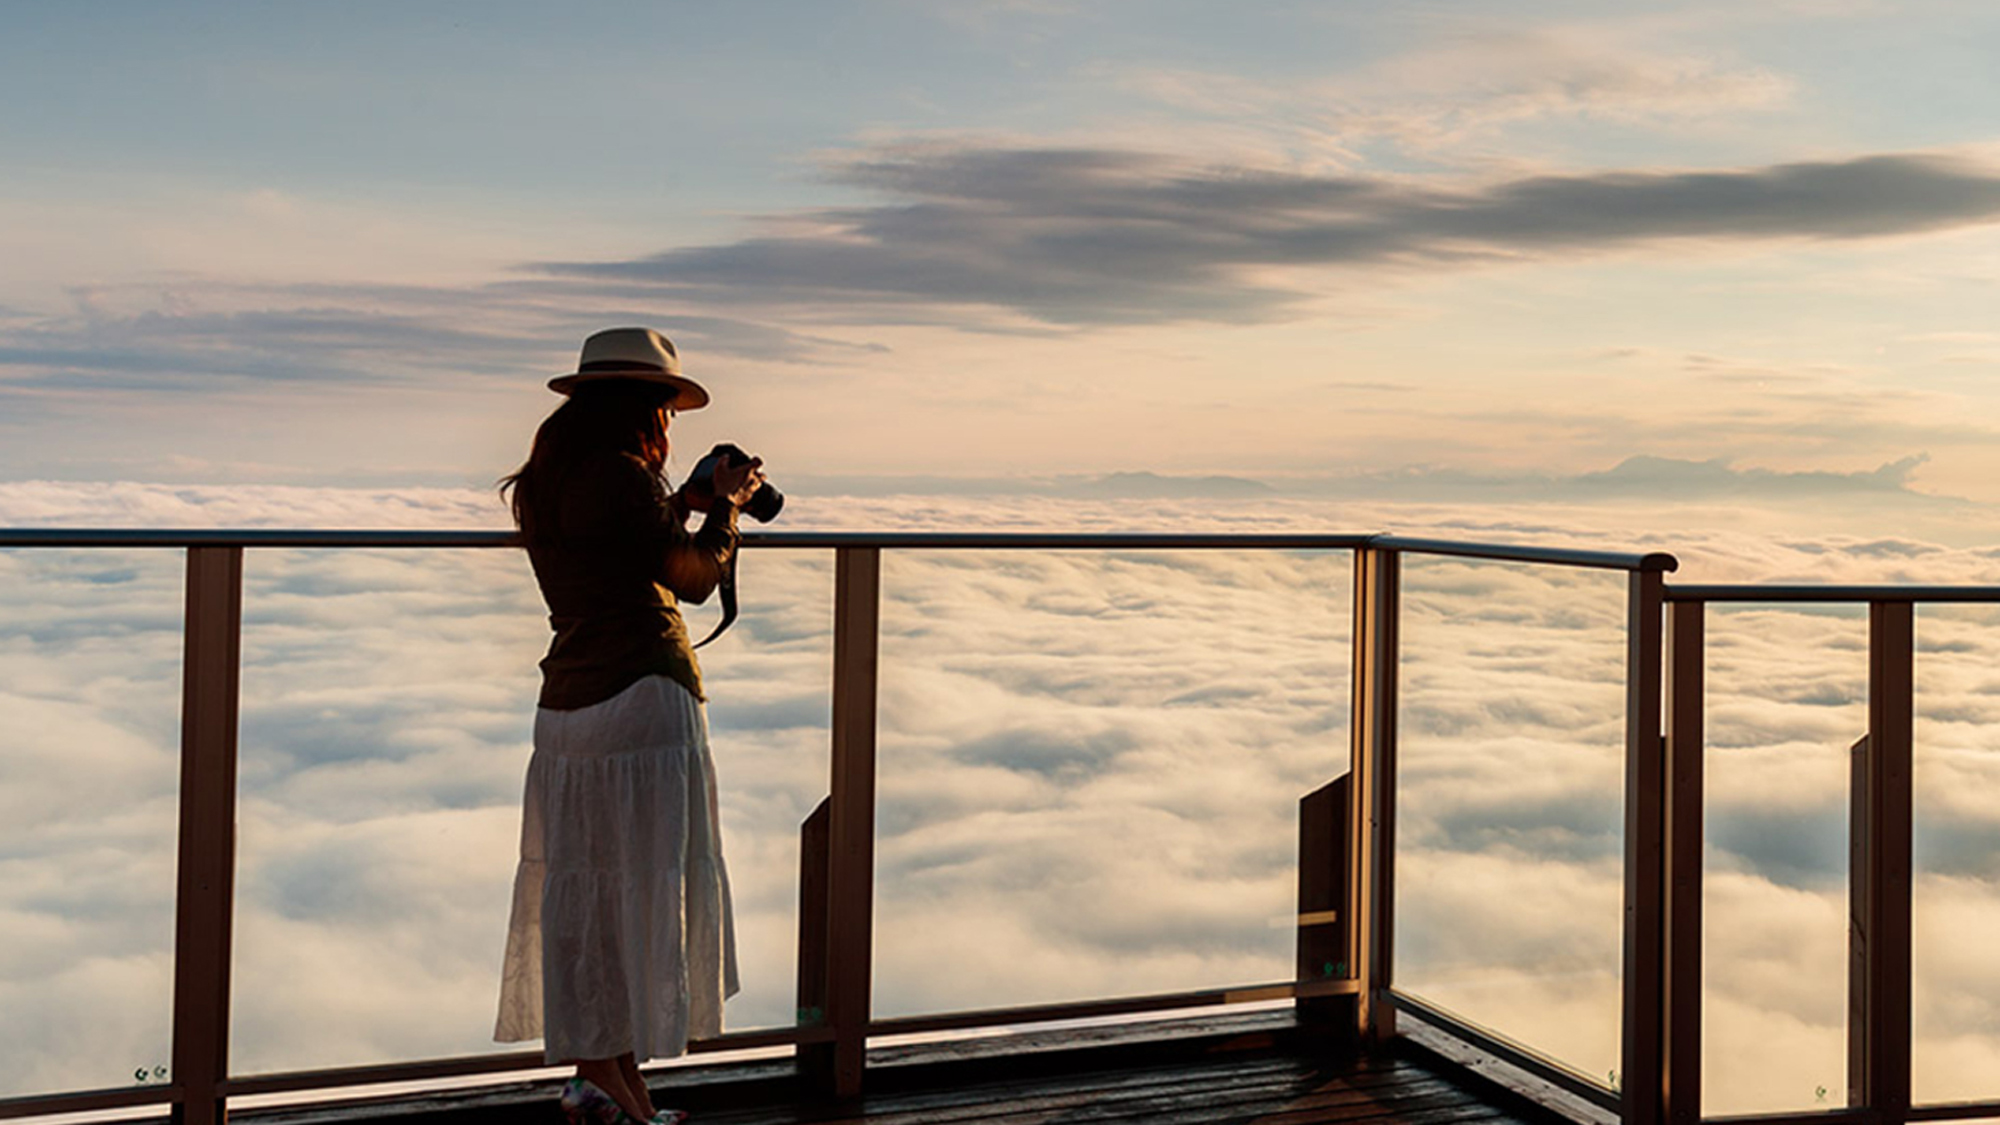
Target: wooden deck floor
[1266, 1091]
[1225, 1075]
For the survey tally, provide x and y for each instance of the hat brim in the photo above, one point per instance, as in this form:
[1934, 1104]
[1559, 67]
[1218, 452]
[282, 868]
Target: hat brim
[688, 394]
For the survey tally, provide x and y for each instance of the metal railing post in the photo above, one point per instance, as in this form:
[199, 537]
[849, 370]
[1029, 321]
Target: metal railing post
[1642, 1076]
[1323, 946]
[812, 968]
[1372, 770]
[211, 661]
[1878, 1030]
[851, 821]
[1685, 672]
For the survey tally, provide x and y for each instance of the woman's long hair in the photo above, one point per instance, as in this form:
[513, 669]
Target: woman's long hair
[599, 418]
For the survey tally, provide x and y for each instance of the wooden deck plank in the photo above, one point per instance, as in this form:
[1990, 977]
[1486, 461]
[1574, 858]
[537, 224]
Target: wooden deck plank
[1236, 1105]
[1161, 1096]
[1274, 1104]
[976, 1101]
[983, 1101]
[1030, 1075]
[1260, 1090]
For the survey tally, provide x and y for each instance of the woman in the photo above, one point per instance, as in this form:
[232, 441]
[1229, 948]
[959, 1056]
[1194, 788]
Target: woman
[621, 945]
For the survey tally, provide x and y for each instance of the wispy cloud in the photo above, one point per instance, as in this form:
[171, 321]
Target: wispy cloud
[155, 349]
[1455, 96]
[203, 334]
[1083, 236]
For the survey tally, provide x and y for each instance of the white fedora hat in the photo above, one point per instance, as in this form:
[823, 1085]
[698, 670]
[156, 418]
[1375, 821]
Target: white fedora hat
[633, 353]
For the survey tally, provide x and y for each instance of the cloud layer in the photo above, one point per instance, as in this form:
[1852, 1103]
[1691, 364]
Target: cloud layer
[1089, 763]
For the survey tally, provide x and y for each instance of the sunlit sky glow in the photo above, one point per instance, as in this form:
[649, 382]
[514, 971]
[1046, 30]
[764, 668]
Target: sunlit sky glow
[1299, 242]
[1716, 279]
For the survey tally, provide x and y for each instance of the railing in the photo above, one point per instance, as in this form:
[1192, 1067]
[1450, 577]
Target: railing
[1641, 1098]
[1879, 1031]
[1348, 831]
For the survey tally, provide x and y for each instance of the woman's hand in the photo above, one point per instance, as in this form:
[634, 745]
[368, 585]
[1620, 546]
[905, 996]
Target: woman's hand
[738, 483]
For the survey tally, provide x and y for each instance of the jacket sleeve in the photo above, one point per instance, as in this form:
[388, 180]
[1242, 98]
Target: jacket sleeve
[692, 564]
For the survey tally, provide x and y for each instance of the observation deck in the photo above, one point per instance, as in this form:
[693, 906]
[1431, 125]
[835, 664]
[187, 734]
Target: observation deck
[1246, 1068]
[1341, 1039]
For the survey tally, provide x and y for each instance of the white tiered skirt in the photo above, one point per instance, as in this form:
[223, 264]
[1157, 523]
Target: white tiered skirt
[622, 936]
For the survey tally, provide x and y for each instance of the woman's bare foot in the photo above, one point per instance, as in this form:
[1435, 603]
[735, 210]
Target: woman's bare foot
[609, 1076]
[636, 1083]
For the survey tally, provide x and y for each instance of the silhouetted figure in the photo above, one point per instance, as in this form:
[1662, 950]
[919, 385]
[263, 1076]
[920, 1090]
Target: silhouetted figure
[622, 944]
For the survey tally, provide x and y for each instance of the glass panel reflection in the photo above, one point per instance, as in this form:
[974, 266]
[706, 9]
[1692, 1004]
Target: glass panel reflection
[90, 654]
[1090, 765]
[1787, 696]
[1510, 795]
[388, 707]
[770, 688]
[1955, 897]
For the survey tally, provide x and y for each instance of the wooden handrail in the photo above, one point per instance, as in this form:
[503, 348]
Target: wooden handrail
[878, 540]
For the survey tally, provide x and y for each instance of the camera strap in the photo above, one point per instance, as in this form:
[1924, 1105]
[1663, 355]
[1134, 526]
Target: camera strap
[728, 588]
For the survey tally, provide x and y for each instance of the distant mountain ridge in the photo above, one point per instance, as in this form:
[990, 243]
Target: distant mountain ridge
[1078, 486]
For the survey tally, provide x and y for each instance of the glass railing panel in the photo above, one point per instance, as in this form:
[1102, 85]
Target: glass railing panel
[1510, 795]
[388, 708]
[90, 654]
[1787, 696]
[1955, 896]
[1090, 769]
[770, 689]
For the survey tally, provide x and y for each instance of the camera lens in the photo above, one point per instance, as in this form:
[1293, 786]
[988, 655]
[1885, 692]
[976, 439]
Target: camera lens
[765, 503]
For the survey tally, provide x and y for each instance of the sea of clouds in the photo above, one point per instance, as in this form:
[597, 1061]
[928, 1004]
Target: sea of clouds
[1089, 766]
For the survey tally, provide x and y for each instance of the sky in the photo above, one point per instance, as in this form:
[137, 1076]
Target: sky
[1319, 246]
[1715, 279]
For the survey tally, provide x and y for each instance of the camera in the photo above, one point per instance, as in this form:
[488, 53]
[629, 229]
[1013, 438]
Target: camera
[764, 504]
